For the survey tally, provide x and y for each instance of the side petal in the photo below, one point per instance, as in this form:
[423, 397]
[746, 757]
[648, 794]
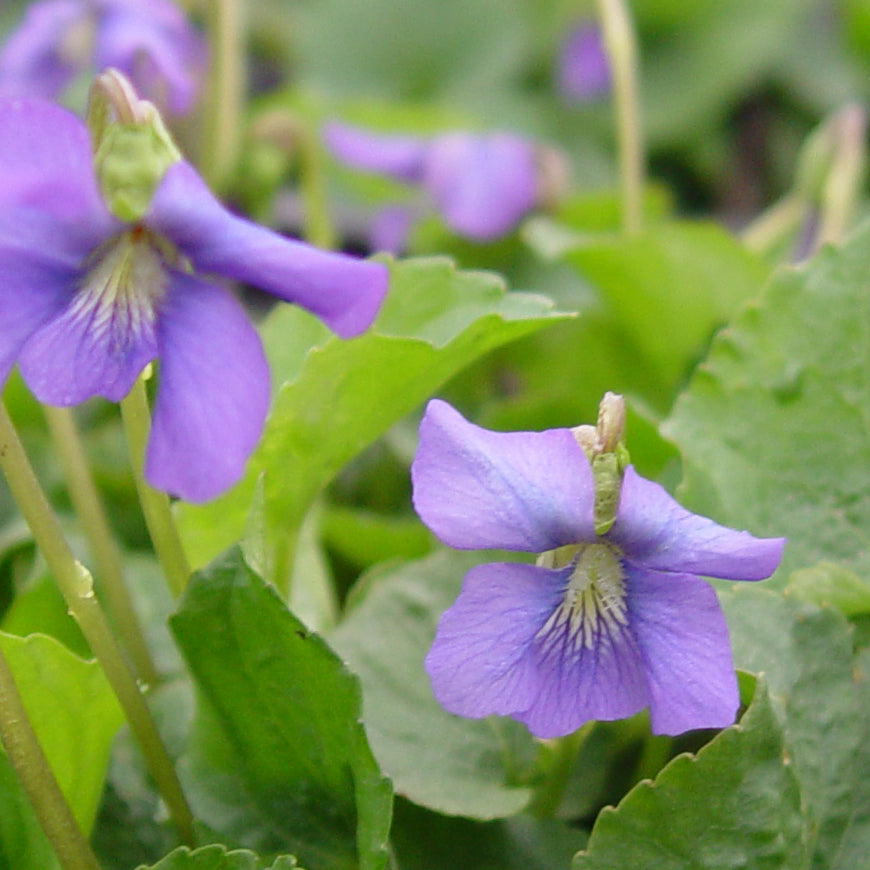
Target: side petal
[398, 157]
[474, 488]
[482, 185]
[45, 164]
[683, 639]
[656, 531]
[344, 292]
[212, 395]
[495, 654]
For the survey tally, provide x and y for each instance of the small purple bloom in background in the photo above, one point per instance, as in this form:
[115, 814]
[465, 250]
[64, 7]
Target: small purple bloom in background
[481, 185]
[602, 625]
[87, 300]
[583, 73]
[151, 41]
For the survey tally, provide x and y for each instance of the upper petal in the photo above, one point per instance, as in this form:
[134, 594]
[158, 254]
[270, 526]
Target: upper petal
[474, 488]
[482, 185]
[45, 164]
[493, 654]
[683, 639]
[657, 532]
[399, 157]
[345, 292]
[213, 392]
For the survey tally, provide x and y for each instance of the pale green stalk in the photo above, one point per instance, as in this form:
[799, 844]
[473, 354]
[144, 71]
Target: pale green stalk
[136, 415]
[31, 768]
[226, 90]
[621, 50]
[95, 525]
[75, 585]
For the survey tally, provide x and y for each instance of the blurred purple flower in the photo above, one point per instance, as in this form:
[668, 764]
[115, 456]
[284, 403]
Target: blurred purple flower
[583, 73]
[602, 625]
[151, 41]
[87, 301]
[481, 185]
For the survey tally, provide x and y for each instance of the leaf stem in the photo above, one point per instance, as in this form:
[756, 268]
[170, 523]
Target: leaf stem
[37, 779]
[75, 585]
[136, 415]
[621, 50]
[226, 32]
[95, 525]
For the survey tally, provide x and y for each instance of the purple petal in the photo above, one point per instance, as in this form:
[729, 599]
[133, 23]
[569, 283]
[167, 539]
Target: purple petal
[489, 656]
[655, 531]
[156, 46]
[33, 61]
[344, 292]
[398, 157]
[390, 229]
[683, 639]
[474, 488]
[482, 185]
[95, 346]
[46, 164]
[213, 392]
[584, 71]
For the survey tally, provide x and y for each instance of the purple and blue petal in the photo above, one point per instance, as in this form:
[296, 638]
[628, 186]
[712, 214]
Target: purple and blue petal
[402, 158]
[213, 392]
[482, 185]
[474, 488]
[656, 531]
[683, 638]
[583, 73]
[343, 291]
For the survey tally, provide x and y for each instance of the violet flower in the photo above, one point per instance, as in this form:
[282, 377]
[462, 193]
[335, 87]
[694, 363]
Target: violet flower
[481, 185]
[151, 41]
[87, 300]
[603, 625]
[583, 73]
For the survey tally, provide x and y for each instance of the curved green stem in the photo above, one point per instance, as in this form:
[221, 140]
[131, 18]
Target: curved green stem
[136, 414]
[549, 794]
[95, 525]
[74, 584]
[621, 49]
[31, 767]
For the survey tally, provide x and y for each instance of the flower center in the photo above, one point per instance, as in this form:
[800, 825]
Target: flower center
[123, 286]
[594, 597]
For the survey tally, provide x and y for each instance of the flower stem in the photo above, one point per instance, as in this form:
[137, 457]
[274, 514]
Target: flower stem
[549, 794]
[92, 517]
[76, 587]
[155, 504]
[222, 125]
[31, 767]
[621, 49]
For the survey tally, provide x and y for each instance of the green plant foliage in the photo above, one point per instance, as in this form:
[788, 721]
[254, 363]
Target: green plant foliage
[218, 858]
[278, 759]
[474, 768]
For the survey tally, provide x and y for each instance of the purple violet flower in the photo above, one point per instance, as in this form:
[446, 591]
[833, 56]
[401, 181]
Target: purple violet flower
[151, 41]
[602, 625]
[87, 300]
[481, 185]
[583, 73]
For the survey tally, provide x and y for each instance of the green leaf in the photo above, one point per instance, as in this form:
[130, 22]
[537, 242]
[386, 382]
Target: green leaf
[670, 287]
[218, 858]
[735, 804]
[339, 396]
[278, 760]
[75, 716]
[773, 428]
[832, 585]
[467, 767]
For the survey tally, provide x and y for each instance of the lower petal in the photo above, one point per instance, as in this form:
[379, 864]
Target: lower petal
[491, 655]
[683, 639]
[213, 392]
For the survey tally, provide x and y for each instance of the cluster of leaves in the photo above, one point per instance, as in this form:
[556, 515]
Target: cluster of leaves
[300, 719]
